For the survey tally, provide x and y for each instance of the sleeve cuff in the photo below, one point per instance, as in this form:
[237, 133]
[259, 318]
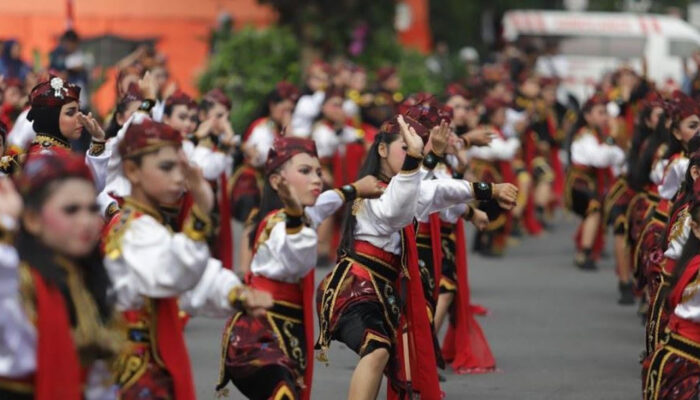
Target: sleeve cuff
[96, 148]
[482, 191]
[293, 223]
[431, 160]
[411, 164]
[197, 225]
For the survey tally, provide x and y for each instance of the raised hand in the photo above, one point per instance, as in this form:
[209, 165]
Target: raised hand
[368, 187]
[478, 137]
[91, 126]
[439, 138]
[414, 143]
[195, 183]
[505, 194]
[148, 86]
[205, 128]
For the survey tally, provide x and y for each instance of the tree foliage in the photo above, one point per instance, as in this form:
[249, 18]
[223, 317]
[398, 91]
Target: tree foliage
[248, 64]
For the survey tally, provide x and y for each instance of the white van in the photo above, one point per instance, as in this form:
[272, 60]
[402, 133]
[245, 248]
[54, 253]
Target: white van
[590, 44]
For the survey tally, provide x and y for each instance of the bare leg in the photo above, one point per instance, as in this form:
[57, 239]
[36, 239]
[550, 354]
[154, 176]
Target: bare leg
[543, 194]
[367, 377]
[590, 229]
[622, 259]
[443, 305]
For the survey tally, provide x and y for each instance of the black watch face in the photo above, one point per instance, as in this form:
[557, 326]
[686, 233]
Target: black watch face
[482, 186]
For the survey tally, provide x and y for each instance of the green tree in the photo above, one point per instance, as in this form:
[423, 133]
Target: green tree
[248, 65]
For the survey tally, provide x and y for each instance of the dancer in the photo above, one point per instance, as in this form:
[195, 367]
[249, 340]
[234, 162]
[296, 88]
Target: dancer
[592, 154]
[60, 334]
[262, 363]
[674, 368]
[154, 270]
[358, 301]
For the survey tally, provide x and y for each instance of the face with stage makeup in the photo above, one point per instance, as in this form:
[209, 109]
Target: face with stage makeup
[302, 173]
[65, 217]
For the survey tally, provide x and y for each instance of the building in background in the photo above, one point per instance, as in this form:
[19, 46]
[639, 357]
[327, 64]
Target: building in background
[179, 28]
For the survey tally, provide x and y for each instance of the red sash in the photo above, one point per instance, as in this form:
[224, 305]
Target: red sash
[172, 349]
[58, 371]
[420, 340]
[436, 243]
[225, 239]
[691, 270]
[465, 343]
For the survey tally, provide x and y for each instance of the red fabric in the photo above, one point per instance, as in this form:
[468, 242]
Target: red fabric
[684, 327]
[465, 343]
[530, 221]
[308, 287]
[225, 239]
[145, 135]
[346, 167]
[172, 349]
[688, 275]
[420, 343]
[436, 243]
[281, 291]
[58, 371]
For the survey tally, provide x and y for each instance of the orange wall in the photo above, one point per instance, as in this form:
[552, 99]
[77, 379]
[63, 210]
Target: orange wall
[181, 25]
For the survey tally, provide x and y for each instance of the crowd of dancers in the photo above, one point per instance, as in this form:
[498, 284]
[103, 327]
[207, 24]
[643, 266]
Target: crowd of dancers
[106, 254]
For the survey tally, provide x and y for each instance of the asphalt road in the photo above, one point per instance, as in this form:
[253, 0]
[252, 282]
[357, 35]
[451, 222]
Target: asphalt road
[556, 332]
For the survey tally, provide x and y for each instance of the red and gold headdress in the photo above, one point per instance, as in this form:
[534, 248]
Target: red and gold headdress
[456, 89]
[54, 92]
[595, 100]
[218, 96]
[42, 169]
[180, 98]
[287, 91]
[146, 136]
[284, 148]
[681, 106]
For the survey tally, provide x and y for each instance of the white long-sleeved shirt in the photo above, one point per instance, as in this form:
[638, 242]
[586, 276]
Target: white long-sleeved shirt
[261, 138]
[328, 141]
[498, 149]
[289, 257]
[679, 234]
[674, 175]
[379, 221]
[306, 110]
[153, 262]
[587, 150]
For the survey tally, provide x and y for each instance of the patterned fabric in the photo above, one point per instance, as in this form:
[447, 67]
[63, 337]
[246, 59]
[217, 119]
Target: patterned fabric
[673, 372]
[648, 252]
[641, 207]
[284, 148]
[155, 383]
[146, 136]
[616, 204]
[258, 348]
[53, 93]
[41, 169]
